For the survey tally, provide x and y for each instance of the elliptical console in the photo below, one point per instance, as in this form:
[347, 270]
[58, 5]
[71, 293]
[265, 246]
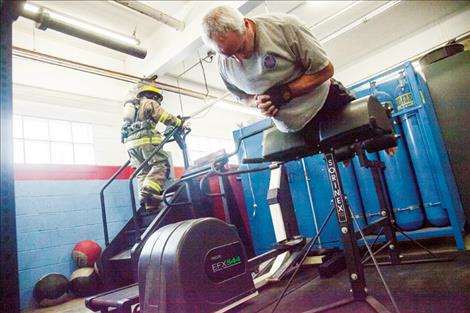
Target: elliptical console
[195, 265]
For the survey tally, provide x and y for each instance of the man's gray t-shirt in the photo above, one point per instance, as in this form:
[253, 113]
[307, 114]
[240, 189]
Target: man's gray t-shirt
[284, 50]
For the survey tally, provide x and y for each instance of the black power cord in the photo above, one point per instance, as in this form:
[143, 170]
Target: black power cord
[207, 59]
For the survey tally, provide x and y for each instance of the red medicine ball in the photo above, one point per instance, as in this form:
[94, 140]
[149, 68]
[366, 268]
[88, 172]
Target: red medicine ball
[85, 253]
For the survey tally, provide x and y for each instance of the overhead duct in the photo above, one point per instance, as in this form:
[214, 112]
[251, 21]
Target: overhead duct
[47, 18]
[153, 13]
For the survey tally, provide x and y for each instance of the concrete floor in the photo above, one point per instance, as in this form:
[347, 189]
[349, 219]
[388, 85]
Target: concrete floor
[439, 287]
[428, 287]
[72, 306]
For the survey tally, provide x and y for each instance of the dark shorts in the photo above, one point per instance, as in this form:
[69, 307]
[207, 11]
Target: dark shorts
[279, 146]
[338, 97]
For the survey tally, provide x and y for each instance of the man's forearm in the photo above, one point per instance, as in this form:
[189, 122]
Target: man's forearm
[308, 82]
[277, 96]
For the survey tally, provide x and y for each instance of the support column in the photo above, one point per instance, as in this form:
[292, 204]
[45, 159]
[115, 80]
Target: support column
[9, 286]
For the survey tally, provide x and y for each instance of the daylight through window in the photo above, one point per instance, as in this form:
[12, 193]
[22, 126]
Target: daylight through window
[44, 141]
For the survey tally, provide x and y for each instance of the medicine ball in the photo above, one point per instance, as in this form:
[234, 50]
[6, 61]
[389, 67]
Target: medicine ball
[84, 282]
[85, 253]
[51, 289]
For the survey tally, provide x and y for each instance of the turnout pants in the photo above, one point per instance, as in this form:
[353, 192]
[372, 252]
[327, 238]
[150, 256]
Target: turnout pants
[153, 177]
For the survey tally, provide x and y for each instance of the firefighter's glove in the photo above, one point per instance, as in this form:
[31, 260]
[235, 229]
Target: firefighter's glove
[124, 131]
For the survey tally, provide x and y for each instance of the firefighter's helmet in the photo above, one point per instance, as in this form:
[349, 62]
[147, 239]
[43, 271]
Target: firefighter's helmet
[149, 92]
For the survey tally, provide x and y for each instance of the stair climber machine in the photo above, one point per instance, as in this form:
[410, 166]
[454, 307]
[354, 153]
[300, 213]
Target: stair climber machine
[200, 266]
[115, 263]
[187, 199]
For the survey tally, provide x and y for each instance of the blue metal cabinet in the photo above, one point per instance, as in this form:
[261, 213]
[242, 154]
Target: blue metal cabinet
[255, 188]
[418, 175]
[422, 141]
[314, 205]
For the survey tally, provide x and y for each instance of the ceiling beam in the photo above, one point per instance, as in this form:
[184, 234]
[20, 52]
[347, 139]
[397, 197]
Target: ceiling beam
[155, 14]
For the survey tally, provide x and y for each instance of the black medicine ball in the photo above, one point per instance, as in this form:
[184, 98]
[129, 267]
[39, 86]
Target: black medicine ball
[84, 282]
[51, 289]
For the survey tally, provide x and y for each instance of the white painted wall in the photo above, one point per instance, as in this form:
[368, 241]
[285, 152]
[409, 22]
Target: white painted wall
[53, 92]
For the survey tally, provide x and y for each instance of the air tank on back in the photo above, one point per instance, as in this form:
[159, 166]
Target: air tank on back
[436, 214]
[399, 176]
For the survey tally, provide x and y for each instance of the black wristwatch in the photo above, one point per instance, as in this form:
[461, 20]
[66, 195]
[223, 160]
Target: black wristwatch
[280, 95]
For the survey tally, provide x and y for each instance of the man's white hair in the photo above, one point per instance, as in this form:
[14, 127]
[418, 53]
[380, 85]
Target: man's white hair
[219, 21]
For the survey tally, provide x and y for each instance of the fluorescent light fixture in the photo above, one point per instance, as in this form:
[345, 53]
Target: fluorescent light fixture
[329, 18]
[81, 24]
[360, 21]
[92, 28]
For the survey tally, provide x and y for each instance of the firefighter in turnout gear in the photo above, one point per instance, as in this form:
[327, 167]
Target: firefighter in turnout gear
[140, 136]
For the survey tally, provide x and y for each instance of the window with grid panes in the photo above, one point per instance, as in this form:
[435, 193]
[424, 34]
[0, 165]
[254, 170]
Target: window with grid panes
[49, 141]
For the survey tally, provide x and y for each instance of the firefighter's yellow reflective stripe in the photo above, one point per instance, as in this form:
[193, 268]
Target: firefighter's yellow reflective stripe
[143, 141]
[178, 122]
[153, 185]
[163, 117]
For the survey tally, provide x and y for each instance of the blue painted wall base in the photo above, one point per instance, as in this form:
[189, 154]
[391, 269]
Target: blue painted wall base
[52, 216]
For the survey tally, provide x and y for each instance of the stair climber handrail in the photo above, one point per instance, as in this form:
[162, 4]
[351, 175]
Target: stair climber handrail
[215, 167]
[156, 223]
[103, 207]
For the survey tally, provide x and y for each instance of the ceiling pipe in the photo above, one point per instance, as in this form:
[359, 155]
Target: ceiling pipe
[47, 18]
[153, 13]
[47, 58]
[209, 100]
